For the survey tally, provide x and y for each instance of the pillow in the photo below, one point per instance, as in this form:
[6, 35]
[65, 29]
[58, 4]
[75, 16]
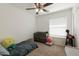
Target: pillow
[7, 42]
[3, 51]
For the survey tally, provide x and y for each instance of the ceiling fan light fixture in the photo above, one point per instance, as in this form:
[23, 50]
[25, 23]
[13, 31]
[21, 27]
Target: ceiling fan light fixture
[39, 7]
[41, 10]
[36, 10]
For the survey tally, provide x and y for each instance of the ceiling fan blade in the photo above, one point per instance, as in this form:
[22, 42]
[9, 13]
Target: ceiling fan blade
[45, 10]
[36, 5]
[29, 8]
[47, 4]
[39, 5]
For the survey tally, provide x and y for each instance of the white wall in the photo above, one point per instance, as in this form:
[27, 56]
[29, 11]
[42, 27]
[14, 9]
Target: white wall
[76, 23]
[77, 29]
[16, 23]
[42, 22]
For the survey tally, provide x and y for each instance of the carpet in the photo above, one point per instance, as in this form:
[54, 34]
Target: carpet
[45, 50]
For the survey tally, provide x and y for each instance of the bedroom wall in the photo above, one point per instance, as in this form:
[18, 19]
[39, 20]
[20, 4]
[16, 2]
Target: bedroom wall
[42, 22]
[76, 23]
[16, 23]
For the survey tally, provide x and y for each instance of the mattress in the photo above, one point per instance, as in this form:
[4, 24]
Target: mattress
[23, 48]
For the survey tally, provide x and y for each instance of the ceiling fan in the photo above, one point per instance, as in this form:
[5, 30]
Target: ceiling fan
[39, 7]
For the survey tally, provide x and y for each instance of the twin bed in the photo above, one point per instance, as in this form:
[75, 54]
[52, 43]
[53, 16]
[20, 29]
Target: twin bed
[23, 48]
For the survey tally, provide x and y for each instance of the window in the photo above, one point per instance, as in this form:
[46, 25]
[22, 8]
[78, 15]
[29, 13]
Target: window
[57, 27]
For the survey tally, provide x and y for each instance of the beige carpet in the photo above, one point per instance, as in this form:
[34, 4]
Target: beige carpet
[44, 50]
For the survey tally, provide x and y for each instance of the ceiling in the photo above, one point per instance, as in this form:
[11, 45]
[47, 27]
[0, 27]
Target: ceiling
[22, 6]
[52, 8]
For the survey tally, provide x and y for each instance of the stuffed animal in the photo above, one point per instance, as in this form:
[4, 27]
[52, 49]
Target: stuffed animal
[11, 47]
[7, 42]
[49, 40]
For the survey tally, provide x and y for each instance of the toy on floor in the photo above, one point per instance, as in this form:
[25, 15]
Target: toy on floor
[11, 47]
[49, 40]
[7, 42]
